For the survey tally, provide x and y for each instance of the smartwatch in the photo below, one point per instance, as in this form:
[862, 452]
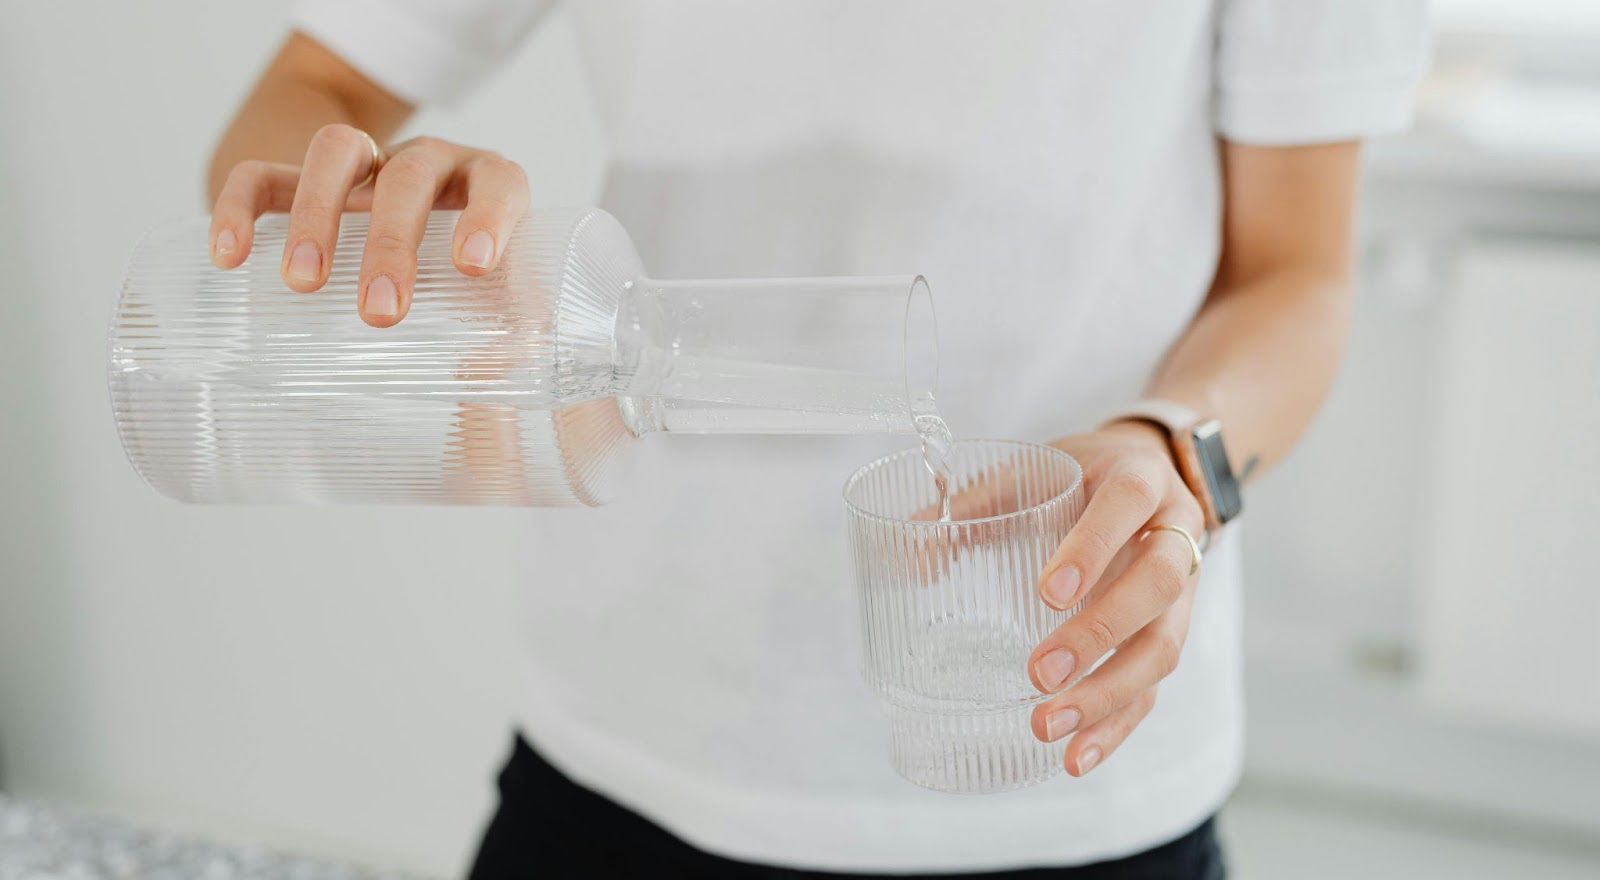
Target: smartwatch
[1198, 452]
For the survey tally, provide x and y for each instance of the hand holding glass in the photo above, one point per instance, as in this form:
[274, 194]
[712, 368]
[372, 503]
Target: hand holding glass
[950, 610]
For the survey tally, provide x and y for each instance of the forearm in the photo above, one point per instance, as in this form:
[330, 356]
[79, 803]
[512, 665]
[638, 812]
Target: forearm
[304, 88]
[1261, 356]
[1263, 350]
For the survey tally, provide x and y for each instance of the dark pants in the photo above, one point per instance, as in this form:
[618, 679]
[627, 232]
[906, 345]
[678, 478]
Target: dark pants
[548, 826]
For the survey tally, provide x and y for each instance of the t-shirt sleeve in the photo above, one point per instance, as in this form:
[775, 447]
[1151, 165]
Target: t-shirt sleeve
[426, 51]
[1313, 71]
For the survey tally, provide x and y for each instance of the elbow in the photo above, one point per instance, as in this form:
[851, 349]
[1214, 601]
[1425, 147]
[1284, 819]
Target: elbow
[1329, 284]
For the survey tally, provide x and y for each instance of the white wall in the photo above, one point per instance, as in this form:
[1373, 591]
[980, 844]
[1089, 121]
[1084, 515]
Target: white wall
[1431, 526]
[1527, 16]
[238, 672]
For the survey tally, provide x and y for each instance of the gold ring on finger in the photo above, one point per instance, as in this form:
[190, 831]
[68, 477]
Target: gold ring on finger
[1194, 546]
[377, 160]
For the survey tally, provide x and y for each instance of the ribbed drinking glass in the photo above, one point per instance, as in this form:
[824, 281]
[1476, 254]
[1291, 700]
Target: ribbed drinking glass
[950, 610]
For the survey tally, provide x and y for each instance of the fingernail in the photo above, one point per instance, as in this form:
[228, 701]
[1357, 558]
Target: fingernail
[226, 242]
[1061, 723]
[1062, 586]
[305, 262]
[1087, 759]
[1054, 668]
[478, 249]
[383, 300]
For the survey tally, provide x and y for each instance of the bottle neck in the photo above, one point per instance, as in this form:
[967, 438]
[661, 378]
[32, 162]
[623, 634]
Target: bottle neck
[777, 356]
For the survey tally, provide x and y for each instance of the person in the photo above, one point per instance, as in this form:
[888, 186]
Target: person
[1116, 202]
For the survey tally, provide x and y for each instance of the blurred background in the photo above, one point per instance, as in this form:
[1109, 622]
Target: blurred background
[1424, 671]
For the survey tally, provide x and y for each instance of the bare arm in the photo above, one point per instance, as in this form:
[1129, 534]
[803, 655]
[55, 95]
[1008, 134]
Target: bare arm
[1263, 351]
[1260, 355]
[304, 88]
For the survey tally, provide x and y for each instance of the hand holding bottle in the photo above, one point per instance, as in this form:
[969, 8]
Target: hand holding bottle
[344, 171]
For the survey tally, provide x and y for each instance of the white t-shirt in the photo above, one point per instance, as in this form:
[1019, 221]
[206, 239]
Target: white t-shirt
[1051, 167]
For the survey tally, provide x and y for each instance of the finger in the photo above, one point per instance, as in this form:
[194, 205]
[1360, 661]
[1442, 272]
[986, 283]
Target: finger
[339, 157]
[497, 197]
[1095, 744]
[252, 189]
[993, 493]
[1138, 666]
[1154, 580]
[488, 464]
[1120, 505]
[402, 196]
[934, 554]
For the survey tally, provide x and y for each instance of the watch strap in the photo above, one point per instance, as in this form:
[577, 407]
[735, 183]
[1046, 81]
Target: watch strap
[1169, 414]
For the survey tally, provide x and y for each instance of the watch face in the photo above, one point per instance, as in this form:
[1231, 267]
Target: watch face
[1218, 472]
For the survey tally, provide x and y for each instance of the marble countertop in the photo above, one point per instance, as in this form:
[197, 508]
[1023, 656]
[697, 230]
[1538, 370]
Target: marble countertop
[44, 843]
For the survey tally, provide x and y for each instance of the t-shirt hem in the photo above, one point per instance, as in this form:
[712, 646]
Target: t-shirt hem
[873, 835]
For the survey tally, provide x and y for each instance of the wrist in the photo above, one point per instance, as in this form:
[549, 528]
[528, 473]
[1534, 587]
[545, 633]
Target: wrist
[1194, 442]
[1141, 431]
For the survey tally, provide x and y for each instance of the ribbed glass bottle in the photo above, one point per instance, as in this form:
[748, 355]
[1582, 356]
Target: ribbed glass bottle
[524, 387]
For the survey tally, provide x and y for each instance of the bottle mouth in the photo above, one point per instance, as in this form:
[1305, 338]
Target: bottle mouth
[921, 349]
